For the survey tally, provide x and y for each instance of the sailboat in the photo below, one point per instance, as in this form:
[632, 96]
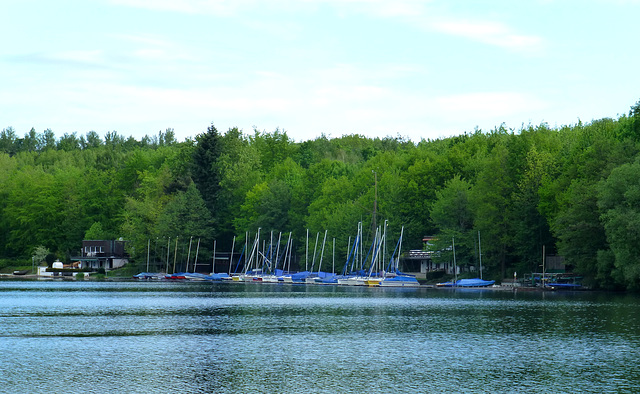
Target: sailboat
[352, 274]
[473, 282]
[397, 278]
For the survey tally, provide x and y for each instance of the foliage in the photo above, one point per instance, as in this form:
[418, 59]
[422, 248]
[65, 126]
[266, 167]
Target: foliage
[619, 203]
[570, 189]
[206, 172]
[40, 254]
[96, 232]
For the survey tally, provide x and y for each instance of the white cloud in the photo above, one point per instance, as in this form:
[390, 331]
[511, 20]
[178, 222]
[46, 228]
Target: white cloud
[493, 33]
[419, 13]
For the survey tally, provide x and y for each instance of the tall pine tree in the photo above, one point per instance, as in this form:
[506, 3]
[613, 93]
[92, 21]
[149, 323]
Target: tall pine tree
[206, 171]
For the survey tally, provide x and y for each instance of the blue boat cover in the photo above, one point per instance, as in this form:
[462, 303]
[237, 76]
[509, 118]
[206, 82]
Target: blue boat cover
[475, 282]
[401, 278]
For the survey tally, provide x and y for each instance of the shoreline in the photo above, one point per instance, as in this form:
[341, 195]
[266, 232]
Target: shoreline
[35, 277]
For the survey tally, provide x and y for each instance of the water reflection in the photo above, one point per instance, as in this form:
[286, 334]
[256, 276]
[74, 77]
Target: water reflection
[185, 337]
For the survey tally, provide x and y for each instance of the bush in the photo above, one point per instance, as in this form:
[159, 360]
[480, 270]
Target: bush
[80, 276]
[10, 265]
[435, 275]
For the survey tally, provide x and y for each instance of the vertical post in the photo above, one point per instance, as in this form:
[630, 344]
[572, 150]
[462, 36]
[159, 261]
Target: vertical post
[306, 253]
[175, 256]
[148, 247]
[275, 266]
[315, 248]
[188, 254]
[333, 258]
[195, 263]
[544, 255]
[397, 264]
[233, 245]
[384, 250]
[257, 247]
[360, 248]
[322, 253]
[290, 251]
[375, 200]
[480, 254]
[270, 247]
[246, 250]
[168, 249]
[213, 266]
[455, 266]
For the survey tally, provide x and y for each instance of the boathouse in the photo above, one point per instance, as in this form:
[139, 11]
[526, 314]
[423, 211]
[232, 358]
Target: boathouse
[106, 254]
[422, 260]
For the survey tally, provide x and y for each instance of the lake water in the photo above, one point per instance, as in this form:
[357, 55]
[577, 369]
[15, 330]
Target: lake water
[96, 337]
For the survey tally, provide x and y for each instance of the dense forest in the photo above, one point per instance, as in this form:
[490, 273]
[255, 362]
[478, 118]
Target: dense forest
[573, 189]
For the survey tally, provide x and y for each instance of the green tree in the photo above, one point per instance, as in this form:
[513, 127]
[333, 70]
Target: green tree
[491, 201]
[452, 213]
[266, 206]
[185, 215]
[619, 202]
[69, 142]
[93, 139]
[206, 171]
[48, 139]
[40, 254]
[531, 228]
[581, 234]
[8, 140]
[96, 232]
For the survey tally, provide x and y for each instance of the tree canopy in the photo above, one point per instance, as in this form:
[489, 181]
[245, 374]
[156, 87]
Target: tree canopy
[572, 189]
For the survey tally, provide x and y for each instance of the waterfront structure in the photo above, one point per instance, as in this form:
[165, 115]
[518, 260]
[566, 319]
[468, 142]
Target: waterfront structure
[106, 254]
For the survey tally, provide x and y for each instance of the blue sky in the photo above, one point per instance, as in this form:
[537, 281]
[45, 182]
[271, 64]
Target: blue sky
[419, 69]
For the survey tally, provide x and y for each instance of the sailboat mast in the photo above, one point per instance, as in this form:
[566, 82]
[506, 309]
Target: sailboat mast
[278, 252]
[399, 250]
[148, 248]
[360, 246]
[375, 201]
[480, 254]
[455, 267]
[384, 250]
[188, 255]
[175, 256]
[544, 255]
[315, 249]
[322, 253]
[271, 248]
[168, 249]
[287, 254]
[213, 262]
[246, 249]
[195, 263]
[290, 251]
[233, 245]
[333, 257]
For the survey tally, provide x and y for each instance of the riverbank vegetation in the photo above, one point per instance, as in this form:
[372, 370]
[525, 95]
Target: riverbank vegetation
[574, 189]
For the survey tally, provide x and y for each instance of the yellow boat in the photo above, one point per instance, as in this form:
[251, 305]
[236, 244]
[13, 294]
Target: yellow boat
[373, 282]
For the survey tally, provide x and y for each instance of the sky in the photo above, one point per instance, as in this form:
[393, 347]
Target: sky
[379, 68]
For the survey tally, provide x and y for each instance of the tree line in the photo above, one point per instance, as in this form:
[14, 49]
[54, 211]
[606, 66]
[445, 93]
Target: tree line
[574, 189]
